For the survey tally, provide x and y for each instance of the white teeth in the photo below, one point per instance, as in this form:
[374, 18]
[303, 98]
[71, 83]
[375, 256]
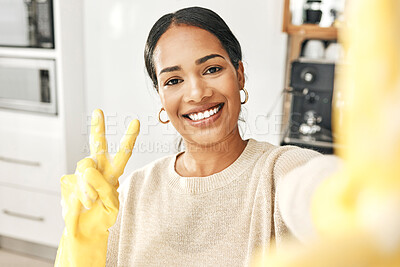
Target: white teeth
[205, 114]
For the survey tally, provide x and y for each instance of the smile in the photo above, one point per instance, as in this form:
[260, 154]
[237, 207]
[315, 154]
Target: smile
[198, 116]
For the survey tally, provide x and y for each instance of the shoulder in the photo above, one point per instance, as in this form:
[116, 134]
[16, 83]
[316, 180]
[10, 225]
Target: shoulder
[281, 159]
[152, 170]
[287, 158]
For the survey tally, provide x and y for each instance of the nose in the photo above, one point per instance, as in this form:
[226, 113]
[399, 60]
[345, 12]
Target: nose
[196, 90]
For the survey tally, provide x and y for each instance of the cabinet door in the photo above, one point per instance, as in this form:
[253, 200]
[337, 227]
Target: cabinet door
[31, 160]
[30, 216]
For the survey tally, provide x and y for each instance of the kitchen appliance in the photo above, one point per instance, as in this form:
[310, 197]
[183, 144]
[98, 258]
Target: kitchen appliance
[26, 23]
[28, 84]
[310, 116]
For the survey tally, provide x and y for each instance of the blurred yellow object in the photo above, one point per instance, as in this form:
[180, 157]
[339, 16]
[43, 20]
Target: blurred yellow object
[357, 211]
[90, 198]
[370, 130]
[344, 251]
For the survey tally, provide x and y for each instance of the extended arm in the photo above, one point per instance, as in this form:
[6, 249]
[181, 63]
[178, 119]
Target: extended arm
[295, 192]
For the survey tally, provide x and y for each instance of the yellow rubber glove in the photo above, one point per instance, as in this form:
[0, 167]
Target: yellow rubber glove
[357, 211]
[90, 198]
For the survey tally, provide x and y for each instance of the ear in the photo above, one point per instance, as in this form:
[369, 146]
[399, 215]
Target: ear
[240, 75]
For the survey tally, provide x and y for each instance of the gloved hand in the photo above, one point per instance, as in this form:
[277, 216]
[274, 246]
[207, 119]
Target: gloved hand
[90, 198]
[357, 210]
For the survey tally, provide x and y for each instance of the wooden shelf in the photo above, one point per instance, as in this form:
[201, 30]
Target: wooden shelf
[311, 31]
[306, 31]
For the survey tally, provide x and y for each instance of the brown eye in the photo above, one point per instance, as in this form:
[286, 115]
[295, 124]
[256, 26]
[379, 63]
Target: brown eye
[213, 70]
[173, 82]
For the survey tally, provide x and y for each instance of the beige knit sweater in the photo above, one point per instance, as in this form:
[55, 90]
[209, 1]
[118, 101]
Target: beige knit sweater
[218, 220]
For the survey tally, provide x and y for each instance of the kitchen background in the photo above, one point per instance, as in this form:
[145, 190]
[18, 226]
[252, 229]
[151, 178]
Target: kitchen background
[93, 60]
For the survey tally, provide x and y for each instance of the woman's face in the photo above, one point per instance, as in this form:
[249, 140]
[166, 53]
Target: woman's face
[198, 85]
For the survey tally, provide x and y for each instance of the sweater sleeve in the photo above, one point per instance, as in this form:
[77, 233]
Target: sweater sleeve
[114, 231]
[296, 189]
[288, 159]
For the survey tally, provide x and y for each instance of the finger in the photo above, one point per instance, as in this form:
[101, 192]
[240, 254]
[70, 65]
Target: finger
[85, 163]
[86, 193]
[98, 143]
[107, 193]
[126, 147]
[71, 204]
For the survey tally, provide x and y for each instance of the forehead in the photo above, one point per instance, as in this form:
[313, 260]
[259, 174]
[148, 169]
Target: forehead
[183, 43]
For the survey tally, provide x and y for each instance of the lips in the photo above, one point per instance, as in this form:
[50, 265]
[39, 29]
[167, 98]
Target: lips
[203, 112]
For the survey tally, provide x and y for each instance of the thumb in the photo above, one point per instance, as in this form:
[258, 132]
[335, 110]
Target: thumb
[107, 193]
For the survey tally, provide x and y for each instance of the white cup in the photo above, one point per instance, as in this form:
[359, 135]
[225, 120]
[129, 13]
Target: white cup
[314, 49]
[333, 52]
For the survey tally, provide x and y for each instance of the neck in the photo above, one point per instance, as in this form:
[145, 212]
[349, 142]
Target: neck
[203, 160]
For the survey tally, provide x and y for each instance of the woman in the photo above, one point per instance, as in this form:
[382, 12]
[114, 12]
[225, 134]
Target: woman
[214, 203]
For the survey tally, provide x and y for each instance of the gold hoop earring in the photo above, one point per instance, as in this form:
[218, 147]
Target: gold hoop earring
[159, 116]
[246, 94]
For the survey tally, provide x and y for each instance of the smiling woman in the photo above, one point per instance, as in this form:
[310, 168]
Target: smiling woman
[200, 81]
[195, 63]
[214, 203]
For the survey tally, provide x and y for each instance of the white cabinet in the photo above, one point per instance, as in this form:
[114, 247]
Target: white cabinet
[30, 216]
[36, 149]
[29, 157]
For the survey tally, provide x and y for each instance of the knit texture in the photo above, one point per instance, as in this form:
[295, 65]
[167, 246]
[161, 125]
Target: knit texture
[296, 191]
[219, 220]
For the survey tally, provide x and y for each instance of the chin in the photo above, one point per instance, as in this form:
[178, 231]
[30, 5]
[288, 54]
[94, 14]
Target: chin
[208, 137]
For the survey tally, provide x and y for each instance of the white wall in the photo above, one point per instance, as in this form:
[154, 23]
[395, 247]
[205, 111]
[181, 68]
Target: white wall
[115, 35]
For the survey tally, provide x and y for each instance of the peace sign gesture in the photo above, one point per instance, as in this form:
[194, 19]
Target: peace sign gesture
[111, 168]
[90, 198]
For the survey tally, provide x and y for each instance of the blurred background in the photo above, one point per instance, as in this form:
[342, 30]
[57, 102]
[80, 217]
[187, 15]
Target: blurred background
[60, 60]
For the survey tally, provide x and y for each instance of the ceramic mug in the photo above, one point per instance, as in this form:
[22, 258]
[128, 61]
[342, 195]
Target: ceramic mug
[333, 52]
[314, 49]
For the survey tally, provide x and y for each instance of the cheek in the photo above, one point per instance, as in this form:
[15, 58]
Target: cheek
[232, 91]
[170, 101]
[234, 97]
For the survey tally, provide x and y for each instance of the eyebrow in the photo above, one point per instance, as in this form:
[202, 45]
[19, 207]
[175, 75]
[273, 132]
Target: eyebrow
[198, 62]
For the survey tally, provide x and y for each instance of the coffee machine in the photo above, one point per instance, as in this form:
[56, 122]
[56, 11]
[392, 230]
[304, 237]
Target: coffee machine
[309, 125]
